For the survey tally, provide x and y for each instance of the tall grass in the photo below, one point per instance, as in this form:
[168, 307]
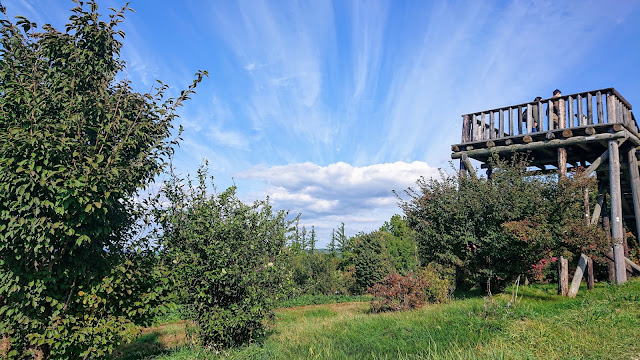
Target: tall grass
[600, 324]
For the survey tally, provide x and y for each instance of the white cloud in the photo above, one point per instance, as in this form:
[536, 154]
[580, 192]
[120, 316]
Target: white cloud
[361, 197]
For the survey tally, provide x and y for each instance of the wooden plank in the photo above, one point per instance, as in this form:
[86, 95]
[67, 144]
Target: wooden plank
[563, 276]
[550, 116]
[599, 105]
[577, 276]
[529, 119]
[492, 127]
[511, 121]
[617, 231]
[634, 176]
[562, 162]
[611, 114]
[570, 120]
[483, 128]
[581, 121]
[474, 128]
[540, 116]
[501, 125]
[625, 116]
[519, 121]
[562, 121]
[466, 124]
[589, 109]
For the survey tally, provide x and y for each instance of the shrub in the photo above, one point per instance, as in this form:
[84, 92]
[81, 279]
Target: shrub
[75, 147]
[497, 228]
[228, 258]
[403, 292]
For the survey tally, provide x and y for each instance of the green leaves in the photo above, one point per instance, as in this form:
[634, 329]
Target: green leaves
[227, 257]
[76, 147]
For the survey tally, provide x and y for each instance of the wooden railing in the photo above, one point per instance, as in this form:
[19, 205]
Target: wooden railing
[605, 106]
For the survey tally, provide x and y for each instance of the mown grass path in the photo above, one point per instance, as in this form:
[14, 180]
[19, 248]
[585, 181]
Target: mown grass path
[602, 324]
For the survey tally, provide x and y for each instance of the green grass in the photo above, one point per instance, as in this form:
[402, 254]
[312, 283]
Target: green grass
[601, 324]
[322, 299]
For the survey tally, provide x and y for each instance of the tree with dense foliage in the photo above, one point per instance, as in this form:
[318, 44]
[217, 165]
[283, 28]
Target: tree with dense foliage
[76, 145]
[370, 260]
[498, 228]
[228, 258]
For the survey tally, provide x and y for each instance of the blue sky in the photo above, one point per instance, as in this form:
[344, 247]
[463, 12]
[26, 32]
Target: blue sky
[327, 106]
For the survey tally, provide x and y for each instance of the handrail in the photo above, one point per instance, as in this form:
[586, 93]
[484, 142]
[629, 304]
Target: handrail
[604, 106]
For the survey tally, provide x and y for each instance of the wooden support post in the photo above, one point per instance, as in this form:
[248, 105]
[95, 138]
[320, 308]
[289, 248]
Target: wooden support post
[562, 163]
[577, 276]
[587, 212]
[563, 276]
[563, 263]
[634, 176]
[590, 276]
[617, 231]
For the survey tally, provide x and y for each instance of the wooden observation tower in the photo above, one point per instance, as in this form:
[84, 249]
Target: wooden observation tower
[594, 129]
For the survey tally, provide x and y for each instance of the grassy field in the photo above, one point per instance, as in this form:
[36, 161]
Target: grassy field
[601, 324]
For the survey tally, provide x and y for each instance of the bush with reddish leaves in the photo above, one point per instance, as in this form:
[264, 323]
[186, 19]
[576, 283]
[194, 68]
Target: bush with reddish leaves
[397, 292]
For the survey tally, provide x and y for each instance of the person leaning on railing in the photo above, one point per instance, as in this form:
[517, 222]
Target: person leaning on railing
[534, 115]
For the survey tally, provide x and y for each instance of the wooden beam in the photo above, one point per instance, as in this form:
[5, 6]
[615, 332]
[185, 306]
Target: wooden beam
[544, 144]
[597, 209]
[633, 265]
[596, 163]
[468, 166]
[617, 230]
[577, 276]
[599, 105]
[634, 177]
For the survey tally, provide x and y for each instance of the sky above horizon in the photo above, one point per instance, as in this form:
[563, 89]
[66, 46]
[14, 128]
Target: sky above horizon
[328, 106]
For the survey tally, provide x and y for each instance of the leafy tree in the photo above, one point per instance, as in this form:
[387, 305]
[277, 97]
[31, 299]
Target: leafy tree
[76, 146]
[370, 260]
[497, 228]
[228, 258]
[401, 244]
